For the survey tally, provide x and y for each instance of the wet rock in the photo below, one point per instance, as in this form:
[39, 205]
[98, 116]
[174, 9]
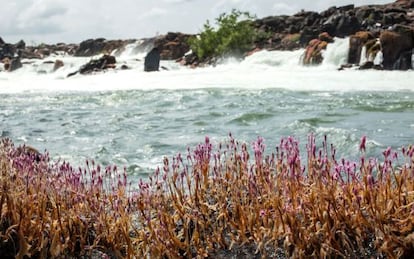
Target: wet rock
[341, 24]
[356, 43]
[15, 64]
[308, 34]
[125, 67]
[396, 46]
[324, 36]
[345, 66]
[366, 65]
[96, 65]
[58, 64]
[93, 47]
[12, 64]
[313, 52]
[152, 60]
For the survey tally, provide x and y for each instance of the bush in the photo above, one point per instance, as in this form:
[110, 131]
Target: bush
[232, 37]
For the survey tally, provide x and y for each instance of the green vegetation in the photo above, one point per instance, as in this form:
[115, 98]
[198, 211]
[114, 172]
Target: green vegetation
[233, 36]
[230, 200]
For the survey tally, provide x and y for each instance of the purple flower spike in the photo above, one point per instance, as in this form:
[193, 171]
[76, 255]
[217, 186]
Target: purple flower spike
[362, 145]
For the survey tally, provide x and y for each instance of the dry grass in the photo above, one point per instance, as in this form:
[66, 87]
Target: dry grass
[223, 201]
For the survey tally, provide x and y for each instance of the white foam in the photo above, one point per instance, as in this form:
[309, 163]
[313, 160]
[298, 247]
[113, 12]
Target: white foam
[264, 69]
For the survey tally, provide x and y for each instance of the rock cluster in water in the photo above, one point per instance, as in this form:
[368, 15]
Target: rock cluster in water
[380, 37]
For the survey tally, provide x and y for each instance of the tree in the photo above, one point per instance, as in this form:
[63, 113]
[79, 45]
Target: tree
[233, 36]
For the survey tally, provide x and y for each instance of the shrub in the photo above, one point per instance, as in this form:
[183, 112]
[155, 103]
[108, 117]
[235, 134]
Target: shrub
[233, 36]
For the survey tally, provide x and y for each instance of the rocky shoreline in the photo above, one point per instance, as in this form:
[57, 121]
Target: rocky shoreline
[382, 36]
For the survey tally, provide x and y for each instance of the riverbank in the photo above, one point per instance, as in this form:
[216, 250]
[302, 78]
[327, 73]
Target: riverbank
[387, 29]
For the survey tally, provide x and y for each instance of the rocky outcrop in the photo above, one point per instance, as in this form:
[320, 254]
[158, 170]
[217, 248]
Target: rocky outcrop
[394, 45]
[172, 45]
[93, 47]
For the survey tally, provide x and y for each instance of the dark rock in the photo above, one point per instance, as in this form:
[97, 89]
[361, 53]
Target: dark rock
[58, 64]
[20, 45]
[308, 34]
[12, 64]
[313, 52]
[172, 45]
[345, 66]
[28, 54]
[347, 25]
[96, 65]
[1, 41]
[395, 47]
[356, 42]
[7, 51]
[341, 25]
[330, 11]
[367, 65]
[152, 60]
[90, 47]
[346, 8]
[125, 67]
[324, 36]
[274, 23]
[404, 62]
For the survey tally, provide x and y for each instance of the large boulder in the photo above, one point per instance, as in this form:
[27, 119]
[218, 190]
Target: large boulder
[342, 24]
[356, 43]
[152, 60]
[96, 65]
[58, 64]
[396, 47]
[12, 64]
[313, 52]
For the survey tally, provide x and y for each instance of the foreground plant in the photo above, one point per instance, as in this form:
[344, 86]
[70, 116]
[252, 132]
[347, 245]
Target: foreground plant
[53, 210]
[230, 200]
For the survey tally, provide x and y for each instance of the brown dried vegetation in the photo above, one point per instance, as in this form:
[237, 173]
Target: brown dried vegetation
[222, 202]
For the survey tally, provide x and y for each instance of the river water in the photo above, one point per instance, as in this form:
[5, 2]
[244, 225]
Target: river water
[134, 119]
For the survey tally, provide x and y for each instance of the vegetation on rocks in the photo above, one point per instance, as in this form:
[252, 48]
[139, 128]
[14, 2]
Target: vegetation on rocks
[234, 35]
[232, 199]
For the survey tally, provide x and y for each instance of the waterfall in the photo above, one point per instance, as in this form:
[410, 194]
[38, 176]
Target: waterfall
[363, 57]
[336, 53]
